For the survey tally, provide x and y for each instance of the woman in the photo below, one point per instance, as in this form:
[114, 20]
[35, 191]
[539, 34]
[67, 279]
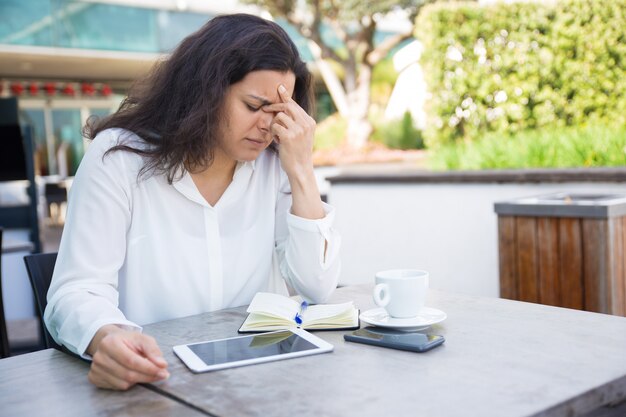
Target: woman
[186, 194]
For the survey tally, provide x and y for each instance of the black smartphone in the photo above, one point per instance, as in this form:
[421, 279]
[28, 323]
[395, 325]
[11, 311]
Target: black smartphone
[394, 339]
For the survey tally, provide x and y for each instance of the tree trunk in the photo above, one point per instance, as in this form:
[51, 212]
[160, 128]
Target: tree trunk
[332, 81]
[359, 126]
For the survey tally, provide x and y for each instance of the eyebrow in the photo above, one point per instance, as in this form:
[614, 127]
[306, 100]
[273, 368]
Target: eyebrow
[262, 100]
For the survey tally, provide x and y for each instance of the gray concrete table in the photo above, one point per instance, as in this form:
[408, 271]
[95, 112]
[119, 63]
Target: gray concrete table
[51, 383]
[500, 358]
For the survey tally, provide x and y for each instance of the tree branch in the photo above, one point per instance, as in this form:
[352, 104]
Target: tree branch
[316, 36]
[341, 33]
[381, 51]
[366, 38]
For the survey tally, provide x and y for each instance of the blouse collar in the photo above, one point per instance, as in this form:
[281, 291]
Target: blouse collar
[243, 171]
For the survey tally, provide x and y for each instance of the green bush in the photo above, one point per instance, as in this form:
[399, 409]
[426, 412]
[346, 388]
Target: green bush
[330, 132]
[399, 134]
[384, 76]
[589, 146]
[520, 66]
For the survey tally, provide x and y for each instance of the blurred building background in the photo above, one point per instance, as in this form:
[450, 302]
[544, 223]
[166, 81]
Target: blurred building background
[66, 60]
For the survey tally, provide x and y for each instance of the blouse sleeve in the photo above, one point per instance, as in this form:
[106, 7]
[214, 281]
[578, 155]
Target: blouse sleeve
[307, 250]
[83, 295]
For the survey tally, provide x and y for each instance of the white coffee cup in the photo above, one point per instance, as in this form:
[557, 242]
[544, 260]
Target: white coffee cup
[402, 292]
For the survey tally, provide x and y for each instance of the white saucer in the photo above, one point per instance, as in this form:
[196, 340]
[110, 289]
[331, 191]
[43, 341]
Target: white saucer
[426, 318]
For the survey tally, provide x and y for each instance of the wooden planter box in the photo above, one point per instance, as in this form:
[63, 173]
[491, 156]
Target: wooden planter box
[564, 250]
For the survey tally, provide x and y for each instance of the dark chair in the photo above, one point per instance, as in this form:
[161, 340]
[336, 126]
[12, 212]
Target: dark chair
[4, 338]
[17, 163]
[40, 268]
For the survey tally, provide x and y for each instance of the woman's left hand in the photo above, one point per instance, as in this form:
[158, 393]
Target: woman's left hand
[294, 130]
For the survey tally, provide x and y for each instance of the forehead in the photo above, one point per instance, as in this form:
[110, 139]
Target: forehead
[264, 84]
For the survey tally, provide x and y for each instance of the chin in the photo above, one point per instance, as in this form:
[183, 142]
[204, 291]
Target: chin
[249, 156]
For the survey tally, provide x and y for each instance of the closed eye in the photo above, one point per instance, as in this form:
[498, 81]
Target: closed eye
[253, 108]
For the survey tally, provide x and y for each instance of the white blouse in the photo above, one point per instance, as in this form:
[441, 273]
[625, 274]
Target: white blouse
[139, 250]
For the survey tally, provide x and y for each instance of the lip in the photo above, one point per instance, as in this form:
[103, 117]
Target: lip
[256, 142]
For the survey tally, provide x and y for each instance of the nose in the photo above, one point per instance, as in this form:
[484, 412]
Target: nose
[265, 121]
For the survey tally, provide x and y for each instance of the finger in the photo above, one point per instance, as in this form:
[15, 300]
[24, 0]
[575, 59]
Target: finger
[284, 120]
[276, 107]
[287, 104]
[291, 109]
[102, 376]
[158, 361]
[126, 369]
[129, 352]
[106, 379]
[284, 94]
[291, 112]
[113, 372]
[279, 132]
[119, 378]
[137, 362]
[152, 351]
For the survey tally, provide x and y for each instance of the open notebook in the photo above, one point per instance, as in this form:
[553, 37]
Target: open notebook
[269, 312]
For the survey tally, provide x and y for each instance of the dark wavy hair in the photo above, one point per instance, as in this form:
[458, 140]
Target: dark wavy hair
[176, 109]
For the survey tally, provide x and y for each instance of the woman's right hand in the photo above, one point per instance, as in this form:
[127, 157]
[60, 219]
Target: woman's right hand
[123, 358]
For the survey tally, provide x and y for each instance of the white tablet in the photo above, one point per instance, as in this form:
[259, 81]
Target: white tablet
[250, 349]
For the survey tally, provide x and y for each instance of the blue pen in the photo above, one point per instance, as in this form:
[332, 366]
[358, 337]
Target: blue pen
[298, 317]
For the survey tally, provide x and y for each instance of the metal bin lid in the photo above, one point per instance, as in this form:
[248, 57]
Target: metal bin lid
[565, 205]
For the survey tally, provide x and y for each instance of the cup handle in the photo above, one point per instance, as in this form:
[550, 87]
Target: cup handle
[381, 290]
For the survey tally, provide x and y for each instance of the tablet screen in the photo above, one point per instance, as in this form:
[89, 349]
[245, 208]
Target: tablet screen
[250, 347]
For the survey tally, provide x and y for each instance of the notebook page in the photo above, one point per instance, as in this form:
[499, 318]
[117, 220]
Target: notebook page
[322, 311]
[274, 304]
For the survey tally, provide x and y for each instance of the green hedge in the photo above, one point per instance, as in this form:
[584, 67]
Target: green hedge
[398, 134]
[522, 66]
[588, 146]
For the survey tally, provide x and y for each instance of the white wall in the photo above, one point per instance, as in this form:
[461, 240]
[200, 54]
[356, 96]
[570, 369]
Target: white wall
[447, 229]
[17, 293]
[16, 290]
